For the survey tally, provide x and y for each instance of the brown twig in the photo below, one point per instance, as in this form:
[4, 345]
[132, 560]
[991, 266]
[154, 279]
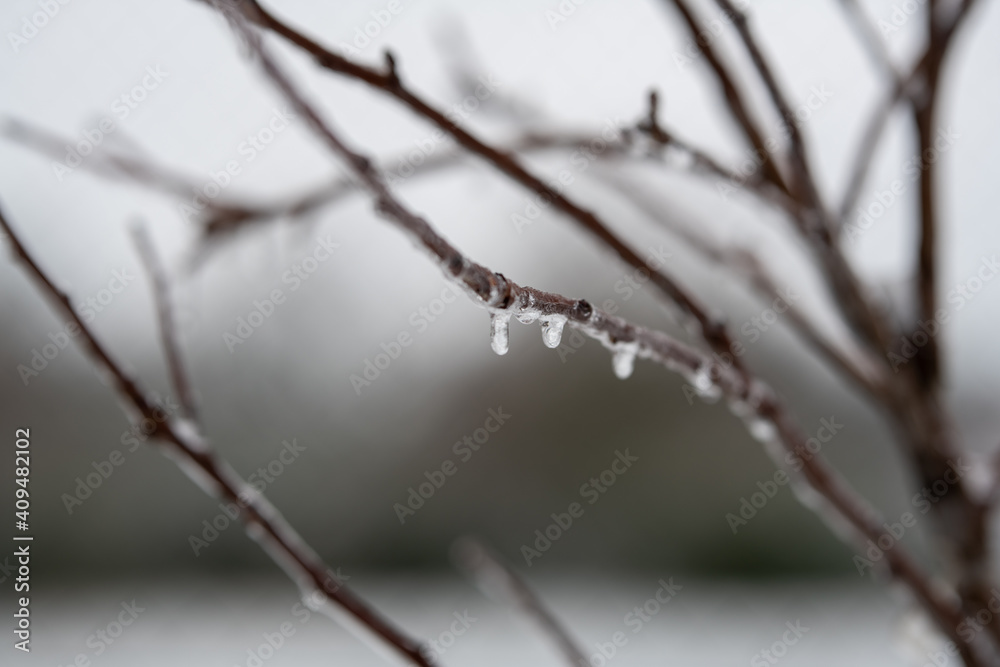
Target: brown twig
[927, 361]
[167, 326]
[496, 579]
[744, 263]
[756, 403]
[810, 217]
[736, 101]
[712, 331]
[871, 40]
[869, 142]
[802, 181]
[217, 477]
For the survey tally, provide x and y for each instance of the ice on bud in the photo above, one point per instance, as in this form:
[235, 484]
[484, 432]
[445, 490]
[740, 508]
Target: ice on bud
[623, 360]
[761, 429]
[552, 328]
[500, 332]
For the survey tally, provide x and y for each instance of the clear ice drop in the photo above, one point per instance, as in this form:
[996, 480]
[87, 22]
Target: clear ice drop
[500, 332]
[552, 328]
[623, 361]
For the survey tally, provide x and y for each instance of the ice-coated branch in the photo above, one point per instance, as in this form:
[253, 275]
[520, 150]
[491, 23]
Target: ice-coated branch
[751, 399]
[388, 81]
[742, 262]
[183, 442]
[801, 178]
[736, 100]
[497, 579]
[869, 142]
[940, 30]
[810, 218]
[157, 273]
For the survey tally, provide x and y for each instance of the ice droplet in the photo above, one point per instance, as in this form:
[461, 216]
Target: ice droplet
[761, 429]
[702, 382]
[552, 328]
[500, 332]
[528, 316]
[623, 361]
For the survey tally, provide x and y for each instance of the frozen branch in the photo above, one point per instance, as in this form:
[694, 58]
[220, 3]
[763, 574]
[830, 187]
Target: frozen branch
[167, 325]
[801, 174]
[496, 579]
[389, 82]
[736, 101]
[748, 397]
[182, 440]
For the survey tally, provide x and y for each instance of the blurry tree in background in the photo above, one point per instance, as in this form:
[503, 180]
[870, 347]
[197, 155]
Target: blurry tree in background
[891, 356]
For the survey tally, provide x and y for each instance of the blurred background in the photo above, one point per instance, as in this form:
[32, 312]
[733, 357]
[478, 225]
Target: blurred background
[357, 450]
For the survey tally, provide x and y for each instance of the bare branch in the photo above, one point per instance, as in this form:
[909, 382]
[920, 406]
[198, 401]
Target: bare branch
[866, 374]
[871, 40]
[704, 163]
[713, 332]
[165, 312]
[869, 142]
[802, 181]
[181, 439]
[496, 579]
[750, 398]
[736, 101]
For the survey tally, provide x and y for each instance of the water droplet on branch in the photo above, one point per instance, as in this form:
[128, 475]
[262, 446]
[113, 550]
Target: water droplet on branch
[500, 332]
[623, 360]
[552, 328]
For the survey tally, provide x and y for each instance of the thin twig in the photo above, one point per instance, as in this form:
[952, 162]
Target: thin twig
[501, 296]
[217, 477]
[871, 40]
[736, 101]
[389, 82]
[746, 264]
[496, 579]
[802, 180]
[165, 313]
[869, 142]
